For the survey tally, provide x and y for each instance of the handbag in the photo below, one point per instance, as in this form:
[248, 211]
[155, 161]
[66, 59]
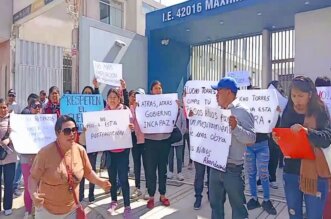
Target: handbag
[3, 151]
[176, 134]
[80, 213]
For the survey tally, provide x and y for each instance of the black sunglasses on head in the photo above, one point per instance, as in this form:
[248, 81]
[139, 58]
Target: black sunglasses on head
[68, 131]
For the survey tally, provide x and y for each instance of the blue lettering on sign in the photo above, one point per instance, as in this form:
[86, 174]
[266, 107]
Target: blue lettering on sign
[196, 8]
[74, 105]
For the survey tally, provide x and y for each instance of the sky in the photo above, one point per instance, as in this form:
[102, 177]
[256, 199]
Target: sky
[171, 2]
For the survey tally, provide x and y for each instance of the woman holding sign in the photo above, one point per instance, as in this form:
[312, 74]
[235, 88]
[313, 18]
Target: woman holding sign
[119, 162]
[53, 104]
[7, 159]
[56, 173]
[157, 150]
[306, 179]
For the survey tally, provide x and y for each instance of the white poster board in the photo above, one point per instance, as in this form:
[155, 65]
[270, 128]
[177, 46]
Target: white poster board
[241, 77]
[156, 113]
[325, 95]
[108, 73]
[30, 133]
[210, 137]
[263, 105]
[282, 101]
[107, 130]
[199, 94]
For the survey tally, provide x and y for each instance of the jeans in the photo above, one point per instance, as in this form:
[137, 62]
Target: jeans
[137, 155]
[232, 183]
[200, 170]
[257, 155]
[156, 158]
[186, 139]
[18, 175]
[8, 171]
[294, 197]
[179, 157]
[26, 167]
[93, 160]
[273, 160]
[119, 166]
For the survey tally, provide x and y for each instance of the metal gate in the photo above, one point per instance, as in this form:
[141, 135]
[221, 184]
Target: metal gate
[212, 61]
[37, 67]
[67, 72]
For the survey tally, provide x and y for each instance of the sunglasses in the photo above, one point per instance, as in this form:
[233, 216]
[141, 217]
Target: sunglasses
[68, 131]
[3, 107]
[35, 106]
[11, 95]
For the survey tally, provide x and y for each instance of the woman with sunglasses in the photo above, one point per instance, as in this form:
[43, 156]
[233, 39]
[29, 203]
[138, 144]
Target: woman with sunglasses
[7, 165]
[57, 171]
[306, 179]
[53, 104]
[119, 162]
[34, 107]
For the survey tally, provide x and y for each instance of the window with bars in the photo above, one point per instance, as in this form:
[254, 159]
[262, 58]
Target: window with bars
[111, 12]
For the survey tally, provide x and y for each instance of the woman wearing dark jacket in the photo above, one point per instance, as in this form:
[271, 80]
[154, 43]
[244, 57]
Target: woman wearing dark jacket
[306, 179]
[53, 105]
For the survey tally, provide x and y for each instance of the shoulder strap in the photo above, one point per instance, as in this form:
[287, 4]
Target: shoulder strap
[69, 173]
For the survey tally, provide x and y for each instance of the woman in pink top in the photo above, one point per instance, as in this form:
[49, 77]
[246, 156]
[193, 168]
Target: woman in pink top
[119, 161]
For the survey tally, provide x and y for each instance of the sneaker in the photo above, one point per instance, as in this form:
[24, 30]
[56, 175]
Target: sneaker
[146, 195]
[170, 175]
[165, 201]
[17, 193]
[91, 198]
[252, 204]
[8, 212]
[190, 166]
[119, 191]
[197, 203]
[113, 206]
[26, 215]
[150, 203]
[268, 207]
[259, 188]
[180, 177]
[127, 213]
[136, 193]
[274, 185]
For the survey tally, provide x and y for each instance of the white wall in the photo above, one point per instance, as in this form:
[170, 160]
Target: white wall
[313, 43]
[20, 4]
[6, 20]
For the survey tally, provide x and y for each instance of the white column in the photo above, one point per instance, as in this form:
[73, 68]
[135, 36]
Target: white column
[266, 58]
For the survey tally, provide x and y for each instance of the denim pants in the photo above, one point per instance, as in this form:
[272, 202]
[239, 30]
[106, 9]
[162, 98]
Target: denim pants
[18, 175]
[186, 140]
[179, 156]
[137, 155]
[257, 158]
[294, 197]
[93, 160]
[119, 166]
[8, 172]
[231, 183]
[200, 170]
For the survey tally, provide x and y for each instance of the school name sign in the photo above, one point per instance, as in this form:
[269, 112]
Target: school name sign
[30, 133]
[210, 137]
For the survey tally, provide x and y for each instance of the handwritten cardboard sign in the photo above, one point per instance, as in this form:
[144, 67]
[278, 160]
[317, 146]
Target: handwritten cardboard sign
[156, 113]
[30, 133]
[74, 105]
[107, 130]
[210, 137]
[282, 101]
[108, 73]
[241, 77]
[325, 95]
[263, 105]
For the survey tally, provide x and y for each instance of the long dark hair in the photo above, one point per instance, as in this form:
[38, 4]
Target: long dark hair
[155, 83]
[316, 106]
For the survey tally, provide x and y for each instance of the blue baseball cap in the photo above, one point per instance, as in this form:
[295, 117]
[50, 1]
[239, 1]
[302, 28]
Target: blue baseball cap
[226, 83]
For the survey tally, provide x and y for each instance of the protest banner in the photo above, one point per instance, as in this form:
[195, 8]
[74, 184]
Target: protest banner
[107, 130]
[30, 133]
[74, 105]
[197, 95]
[241, 77]
[156, 113]
[282, 101]
[108, 73]
[325, 94]
[294, 144]
[210, 137]
[263, 105]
